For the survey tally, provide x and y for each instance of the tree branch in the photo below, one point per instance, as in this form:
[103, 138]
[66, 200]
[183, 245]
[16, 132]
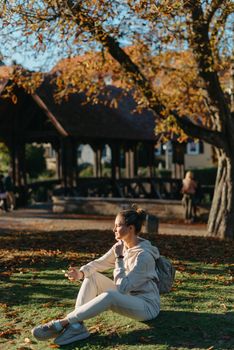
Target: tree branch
[214, 6]
[112, 45]
[201, 46]
[219, 25]
[214, 138]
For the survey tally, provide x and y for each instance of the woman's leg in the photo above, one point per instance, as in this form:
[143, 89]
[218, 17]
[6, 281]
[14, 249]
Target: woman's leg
[5, 204]
[92, 286]
[123, 304]
[186, 207]
[190, 207]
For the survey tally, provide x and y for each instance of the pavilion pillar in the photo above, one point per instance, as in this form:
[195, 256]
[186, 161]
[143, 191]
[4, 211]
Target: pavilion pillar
[115, 161]
[19, 178]
[69, 165]
[75, 162]
[150, 153]
[57, 147]
[97, 148]
[17, 152]
[58, 164]
[129, 161]
[135, 160]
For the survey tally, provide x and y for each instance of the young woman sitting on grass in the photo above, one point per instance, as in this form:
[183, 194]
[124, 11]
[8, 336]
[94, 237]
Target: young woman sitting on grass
[132, 293]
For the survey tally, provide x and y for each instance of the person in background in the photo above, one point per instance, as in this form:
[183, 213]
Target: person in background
[188, 190]
[133, 292]
[3, 195]
[9, 187]
[198, 198]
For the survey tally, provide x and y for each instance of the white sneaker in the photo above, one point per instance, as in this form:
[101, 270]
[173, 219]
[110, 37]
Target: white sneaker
[72, 333]
[45, 331]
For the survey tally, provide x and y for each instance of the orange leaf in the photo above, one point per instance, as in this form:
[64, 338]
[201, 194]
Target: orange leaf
[14, 99]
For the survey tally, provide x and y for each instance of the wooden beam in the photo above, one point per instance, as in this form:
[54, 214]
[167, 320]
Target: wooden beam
[50, 115]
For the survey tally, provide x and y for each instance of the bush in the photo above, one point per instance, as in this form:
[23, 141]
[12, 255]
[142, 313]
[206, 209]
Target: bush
[164, 173]
[35, 163]
[85, 170]
[48, 174]
[4, 158]
[106, 169]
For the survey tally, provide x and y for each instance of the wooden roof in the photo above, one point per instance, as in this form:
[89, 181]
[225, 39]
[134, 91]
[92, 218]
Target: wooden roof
[39, 118]
[98, 121]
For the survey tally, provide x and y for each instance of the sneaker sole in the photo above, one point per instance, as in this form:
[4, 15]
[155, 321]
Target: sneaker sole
[45, 337]
[73, 339]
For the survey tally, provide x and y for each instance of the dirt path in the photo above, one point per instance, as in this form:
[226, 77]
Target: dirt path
[42, 219]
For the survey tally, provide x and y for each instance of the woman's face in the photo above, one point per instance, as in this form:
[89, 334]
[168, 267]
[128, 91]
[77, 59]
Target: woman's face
[120, 229]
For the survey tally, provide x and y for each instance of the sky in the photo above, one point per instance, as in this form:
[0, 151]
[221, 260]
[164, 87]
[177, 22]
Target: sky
[11, 49]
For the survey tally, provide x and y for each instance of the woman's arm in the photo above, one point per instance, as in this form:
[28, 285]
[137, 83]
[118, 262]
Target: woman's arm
[105, 262]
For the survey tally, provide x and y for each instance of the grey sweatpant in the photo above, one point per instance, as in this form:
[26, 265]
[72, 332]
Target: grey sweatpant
[98, 293]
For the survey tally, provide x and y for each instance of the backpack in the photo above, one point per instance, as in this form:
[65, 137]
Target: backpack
[166, 274]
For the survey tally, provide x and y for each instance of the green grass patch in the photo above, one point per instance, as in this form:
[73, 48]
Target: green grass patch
[197, 314]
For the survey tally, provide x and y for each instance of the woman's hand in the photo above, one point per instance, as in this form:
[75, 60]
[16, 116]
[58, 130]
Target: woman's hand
[118, 248]
[73, 274]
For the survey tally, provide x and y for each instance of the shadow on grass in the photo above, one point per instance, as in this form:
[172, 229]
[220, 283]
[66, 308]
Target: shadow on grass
[174, 329]
[44, 211]
[41, 282]
[202, 249]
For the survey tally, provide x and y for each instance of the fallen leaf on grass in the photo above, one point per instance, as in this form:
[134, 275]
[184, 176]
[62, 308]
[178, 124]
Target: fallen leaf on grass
[229, 282]
[27, 340]
[5, 274]
[9, 324]
[145, 339]
[224, 306]
[49, 304]
[61, 305]
[114, 332]
[180, 268]
[11, 314]
[94, 329]
[3, 305]
[178, 282]
[9, 333]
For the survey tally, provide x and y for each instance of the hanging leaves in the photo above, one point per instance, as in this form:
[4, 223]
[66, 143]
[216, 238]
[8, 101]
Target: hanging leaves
[14, 99]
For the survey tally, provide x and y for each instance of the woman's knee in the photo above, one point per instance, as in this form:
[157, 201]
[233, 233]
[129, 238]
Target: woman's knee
[110, 295]
[89, 283]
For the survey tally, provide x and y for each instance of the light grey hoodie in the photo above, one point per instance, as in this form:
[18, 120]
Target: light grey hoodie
[135, 274]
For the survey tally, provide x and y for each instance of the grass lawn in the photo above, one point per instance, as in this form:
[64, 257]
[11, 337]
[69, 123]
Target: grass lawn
[197, 314]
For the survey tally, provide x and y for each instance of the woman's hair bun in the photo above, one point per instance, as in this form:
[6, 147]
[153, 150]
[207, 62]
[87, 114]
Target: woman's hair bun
[141, 212]
[134, 216]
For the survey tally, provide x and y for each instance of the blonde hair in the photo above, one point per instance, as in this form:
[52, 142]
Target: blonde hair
[189, 175]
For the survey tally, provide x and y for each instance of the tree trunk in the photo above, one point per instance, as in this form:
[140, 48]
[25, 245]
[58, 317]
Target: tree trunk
[221, 218]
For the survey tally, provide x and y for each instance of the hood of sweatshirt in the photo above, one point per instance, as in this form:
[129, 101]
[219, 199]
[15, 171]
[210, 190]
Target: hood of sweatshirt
[144, 245]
